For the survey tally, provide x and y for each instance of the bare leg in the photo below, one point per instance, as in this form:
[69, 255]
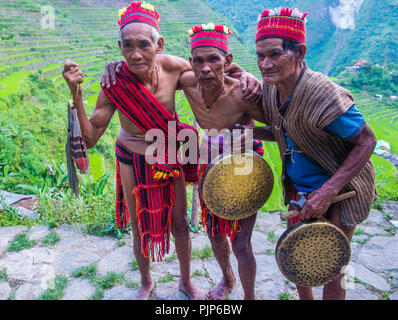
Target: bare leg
[242, 249]
[128, 183]
[183, 244]
[334, 290]
[221, 251]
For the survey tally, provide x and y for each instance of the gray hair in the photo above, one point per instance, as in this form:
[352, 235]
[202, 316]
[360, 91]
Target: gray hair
[154, 33]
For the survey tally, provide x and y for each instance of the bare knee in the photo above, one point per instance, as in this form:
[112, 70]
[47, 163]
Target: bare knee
[242, 248]
[180, 228]
[218, 242]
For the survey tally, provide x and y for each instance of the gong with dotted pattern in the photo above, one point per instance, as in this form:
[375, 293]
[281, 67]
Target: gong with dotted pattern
[312, 253]
[236, 186]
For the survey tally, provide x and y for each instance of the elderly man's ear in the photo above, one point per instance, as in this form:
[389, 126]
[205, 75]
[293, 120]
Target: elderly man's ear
[300, 52]
[160, 45]
[228, 59]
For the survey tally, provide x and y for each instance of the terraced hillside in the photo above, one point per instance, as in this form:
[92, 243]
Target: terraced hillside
[382, 117]
[87, 33]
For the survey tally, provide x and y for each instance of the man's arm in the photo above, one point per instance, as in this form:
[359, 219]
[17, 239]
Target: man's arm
[93, 128]
[320, 200]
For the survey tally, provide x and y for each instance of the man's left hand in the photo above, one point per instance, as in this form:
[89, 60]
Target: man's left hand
[251, 88]
[317, 204]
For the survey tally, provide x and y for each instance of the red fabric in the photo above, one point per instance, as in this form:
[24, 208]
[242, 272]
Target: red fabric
[79, 152]
[292, 193]
[132, 98]
[206, 38]
[136, 13]
[283, 25]
[155, 202]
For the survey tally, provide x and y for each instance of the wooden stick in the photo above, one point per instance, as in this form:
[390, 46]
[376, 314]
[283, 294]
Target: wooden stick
[344, 196]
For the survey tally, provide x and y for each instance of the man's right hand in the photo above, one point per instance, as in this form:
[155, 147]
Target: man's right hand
[109, 76]
[73, 77]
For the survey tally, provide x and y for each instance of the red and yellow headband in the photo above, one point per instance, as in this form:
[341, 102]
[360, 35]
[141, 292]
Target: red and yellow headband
[282, 23]
[139, 12]
[210, 35]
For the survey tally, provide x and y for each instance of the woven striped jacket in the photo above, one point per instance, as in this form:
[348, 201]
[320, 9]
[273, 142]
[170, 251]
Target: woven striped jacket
[316, 102]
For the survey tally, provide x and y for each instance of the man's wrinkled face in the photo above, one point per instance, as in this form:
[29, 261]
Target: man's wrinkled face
[138, 47]
[208, 64]
[274, 63]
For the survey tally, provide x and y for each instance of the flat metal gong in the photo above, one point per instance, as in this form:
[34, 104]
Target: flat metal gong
[312, 254]
[236, 186]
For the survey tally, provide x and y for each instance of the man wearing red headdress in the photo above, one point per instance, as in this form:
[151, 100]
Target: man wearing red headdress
[151, 197]
[324, 141]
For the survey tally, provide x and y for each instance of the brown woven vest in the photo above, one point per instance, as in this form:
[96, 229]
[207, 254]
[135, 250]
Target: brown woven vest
[316, 102]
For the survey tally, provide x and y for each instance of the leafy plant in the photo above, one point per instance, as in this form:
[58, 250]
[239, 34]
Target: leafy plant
[3, 275]
[51, 238]
[56, 290]
[20, 242]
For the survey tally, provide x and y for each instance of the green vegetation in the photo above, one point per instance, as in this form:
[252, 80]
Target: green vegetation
[272, 236]
[88, 272]
[20, 242]
[56, 290]
[286, 296]
[166, 278]
[373, 78]
[3, 275]
[386, 180]
[51, 238]
[107, 281]
[205, 253]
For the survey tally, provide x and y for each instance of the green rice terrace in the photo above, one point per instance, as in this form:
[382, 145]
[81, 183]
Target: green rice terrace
[33, 99]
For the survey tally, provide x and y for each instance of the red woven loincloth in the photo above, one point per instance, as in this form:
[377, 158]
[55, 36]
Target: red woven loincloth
[155, 201]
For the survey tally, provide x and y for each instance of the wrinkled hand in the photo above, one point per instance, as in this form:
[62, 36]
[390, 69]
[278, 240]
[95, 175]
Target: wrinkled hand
[109, 76]
[317, 204]
[251, 88]
[73, 77]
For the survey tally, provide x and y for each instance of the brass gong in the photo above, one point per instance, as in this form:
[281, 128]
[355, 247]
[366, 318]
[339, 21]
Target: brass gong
[236, 186]
[312, 254]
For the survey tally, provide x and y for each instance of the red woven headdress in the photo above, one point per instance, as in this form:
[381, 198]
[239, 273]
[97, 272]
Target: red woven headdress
[139, 12]
[210, 35]
[282, 23]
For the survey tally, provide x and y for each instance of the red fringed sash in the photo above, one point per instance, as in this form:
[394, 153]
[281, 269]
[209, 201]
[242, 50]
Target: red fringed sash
[141, 107]
[155, 202]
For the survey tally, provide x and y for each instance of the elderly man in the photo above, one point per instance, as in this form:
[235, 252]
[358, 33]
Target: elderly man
[324, 141]
[218, 103]
[152, 196]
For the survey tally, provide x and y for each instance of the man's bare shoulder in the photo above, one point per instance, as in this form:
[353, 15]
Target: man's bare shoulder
[171, 63]
[236, 92]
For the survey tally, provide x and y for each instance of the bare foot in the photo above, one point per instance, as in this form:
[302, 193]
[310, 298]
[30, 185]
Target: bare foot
[144, 292]
[191, 291]
[221, 290]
